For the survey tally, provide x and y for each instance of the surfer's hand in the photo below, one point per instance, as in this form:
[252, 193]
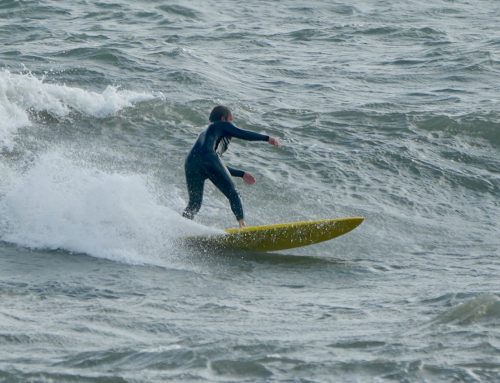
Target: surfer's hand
[274, 142]
[248, 178]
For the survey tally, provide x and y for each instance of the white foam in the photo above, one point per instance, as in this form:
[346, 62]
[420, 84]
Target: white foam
[21, 93]
[58, 204]
[480, 309]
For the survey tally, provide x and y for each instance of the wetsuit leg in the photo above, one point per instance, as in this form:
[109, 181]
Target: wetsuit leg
[221, 178]
[195, 183]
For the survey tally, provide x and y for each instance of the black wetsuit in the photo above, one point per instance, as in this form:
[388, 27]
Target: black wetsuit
[203, 161]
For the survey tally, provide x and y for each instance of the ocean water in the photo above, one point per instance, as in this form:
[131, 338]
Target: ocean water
[387, 110]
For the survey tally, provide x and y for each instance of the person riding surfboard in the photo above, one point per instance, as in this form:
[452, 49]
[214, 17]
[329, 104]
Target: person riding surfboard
[204, 162]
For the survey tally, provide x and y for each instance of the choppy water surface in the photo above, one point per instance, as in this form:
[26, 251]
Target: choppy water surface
[388, 110]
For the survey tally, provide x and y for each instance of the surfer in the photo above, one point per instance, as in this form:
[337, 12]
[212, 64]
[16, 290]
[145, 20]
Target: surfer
[204, 162]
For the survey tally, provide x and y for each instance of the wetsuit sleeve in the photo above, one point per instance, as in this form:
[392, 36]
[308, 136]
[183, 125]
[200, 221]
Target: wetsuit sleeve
[233, 131]
[235, 172]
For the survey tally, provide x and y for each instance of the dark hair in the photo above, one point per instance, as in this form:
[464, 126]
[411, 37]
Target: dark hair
[218, 112]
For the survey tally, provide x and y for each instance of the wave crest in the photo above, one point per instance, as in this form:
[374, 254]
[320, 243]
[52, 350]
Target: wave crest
[482, 309]
[24, 94]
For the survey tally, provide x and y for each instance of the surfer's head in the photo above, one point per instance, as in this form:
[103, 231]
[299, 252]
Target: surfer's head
[221, 113]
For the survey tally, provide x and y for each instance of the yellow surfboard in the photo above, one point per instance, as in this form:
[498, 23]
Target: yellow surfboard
[279, 236]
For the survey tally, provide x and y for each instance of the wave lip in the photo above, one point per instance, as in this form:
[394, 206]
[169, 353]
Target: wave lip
[24, 94]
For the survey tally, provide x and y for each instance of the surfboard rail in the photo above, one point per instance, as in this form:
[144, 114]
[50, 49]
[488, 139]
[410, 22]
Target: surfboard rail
[280, 236]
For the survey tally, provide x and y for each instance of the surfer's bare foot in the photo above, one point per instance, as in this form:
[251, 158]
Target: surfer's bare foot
[242, 223]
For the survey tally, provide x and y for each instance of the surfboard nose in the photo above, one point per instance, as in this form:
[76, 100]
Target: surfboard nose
[357, 221]
[353, 222]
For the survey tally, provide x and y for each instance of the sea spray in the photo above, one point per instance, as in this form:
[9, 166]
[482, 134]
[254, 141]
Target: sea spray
[61, 204]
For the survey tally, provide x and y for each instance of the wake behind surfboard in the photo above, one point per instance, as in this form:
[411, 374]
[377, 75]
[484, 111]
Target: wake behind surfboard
[279, 236]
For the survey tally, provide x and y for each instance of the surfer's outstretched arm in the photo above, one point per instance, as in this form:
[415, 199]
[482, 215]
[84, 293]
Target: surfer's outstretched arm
[233, 131]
